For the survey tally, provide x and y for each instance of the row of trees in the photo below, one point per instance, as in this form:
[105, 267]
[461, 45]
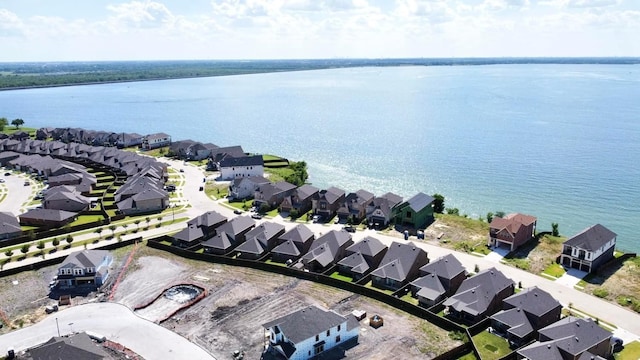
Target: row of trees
[15, 122]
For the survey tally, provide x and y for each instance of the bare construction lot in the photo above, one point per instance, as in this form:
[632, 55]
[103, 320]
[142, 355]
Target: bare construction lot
[238, 302]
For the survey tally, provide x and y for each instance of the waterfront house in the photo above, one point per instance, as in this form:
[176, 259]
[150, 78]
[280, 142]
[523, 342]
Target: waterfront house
[259, 240]
[380, 210]
[326, 250]
[232, 167]
[191, 150]
[86, 268]
[328, 202]
[9, 226]
[362, 257]
[154, 141]
[309, 332]
[438, 279]
[293, 244]
[272, 194]
[229, 235]
[245, 187]
[400, 265]
[125, 140]
[589, 249]
[512, 230]
[570, 338]
[301, 200]
[416, 212]
[524, 313]
[49, 218]
[479, 296]
[354, 206]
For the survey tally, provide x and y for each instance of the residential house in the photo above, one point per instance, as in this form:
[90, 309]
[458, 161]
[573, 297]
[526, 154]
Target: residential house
[232, 167]
[245, 187]
[355, 206]
[154, 141]
[416, 212]
[124, 140]
[293, 244]
[400, 265]
[78, 346]
[327, 250]
[198, 229]
[362, 257]
[328, 202]
[229, 235]
[438, 279]
[260, 240]
[66, 198]
[301, 200]
[86, 268]
[309, 332]
[272, 194]
[9, 226]
[513, 230]
[191, 150]
[43, 133]
[188, 237]
[50, 218]
[380, 210]
[479, 296]
[589, 249]
[524, 313]
[570, 338]
[6, 156]
[148, 201]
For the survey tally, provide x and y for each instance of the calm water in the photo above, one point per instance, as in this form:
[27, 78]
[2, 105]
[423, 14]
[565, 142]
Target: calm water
[561, 142]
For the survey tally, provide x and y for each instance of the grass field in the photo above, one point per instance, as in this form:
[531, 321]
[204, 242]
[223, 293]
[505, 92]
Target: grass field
[491, 347]
[631, 351]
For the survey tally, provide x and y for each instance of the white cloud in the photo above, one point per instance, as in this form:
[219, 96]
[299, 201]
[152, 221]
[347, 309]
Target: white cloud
[591, 3]
[10, 24]
[138, 14]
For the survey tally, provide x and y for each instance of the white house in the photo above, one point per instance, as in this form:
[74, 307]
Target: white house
[309, 332]
[234, 167]
[84, 268]
[155, 141]
[245, 187]
[589, 249]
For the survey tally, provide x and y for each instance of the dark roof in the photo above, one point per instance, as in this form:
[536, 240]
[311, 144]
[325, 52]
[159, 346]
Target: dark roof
[533, 300]
[446, 267]
[575, 335]
[305, 191]
[476, 293]
[74, 347]
[189, 234]
[47, 214]
[85, 258]
[325, 248]
[253, 160]
[208, 219]
[306, 323]
[369, 246]
[288, 248]
[591, 238]
[392, 198]
[541, 351]
[430, 287]
[236, 225]
[517, 321]
[299, 234]
[420, 201]
[331, 194]
[399, 260]
[356, 262]
[258, 238]
[9, 223]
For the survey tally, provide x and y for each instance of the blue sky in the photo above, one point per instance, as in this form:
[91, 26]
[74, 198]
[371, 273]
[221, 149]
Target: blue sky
[68, 30]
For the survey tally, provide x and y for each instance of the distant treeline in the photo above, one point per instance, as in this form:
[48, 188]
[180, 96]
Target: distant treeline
[44, 74]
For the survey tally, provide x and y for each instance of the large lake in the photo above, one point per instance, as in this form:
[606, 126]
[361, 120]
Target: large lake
[561, 142]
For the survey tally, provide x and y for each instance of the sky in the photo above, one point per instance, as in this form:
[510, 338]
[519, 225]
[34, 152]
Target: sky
[88, 30]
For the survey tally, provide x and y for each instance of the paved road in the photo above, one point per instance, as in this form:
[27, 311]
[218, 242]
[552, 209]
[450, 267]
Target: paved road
[118, 323]
[17, 194]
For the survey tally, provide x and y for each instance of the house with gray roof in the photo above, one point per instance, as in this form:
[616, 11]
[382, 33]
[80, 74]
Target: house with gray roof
[570, 338]
[354, 206]
[229, 235]
[66, 198]
[400, 265]
[272, 194]
[147, 201]
[479, 296]
[301, 200]
[362, 258]
[154, 141]
[328, 202]
[309, 332]
[198, 229]
[380, 210]
[327, 250]
[9, 226]
[231, 167]
[208, 221]
[524, 313]
[125, 140]
[589, 249]
[245, 187]
[218, 154]
[74, 347]
[260, 240]
[417, 212]
[438, 279]
[293, 244]
[49, 218]
[86, 268]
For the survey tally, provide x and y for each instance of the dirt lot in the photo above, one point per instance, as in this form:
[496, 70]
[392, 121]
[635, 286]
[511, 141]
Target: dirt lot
[240, 300]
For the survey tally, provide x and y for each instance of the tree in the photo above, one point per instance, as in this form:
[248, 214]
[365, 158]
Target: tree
[55, 242]
[159, 220]
[453, 211]
[148, 220]
[17, 123]
[499, 214]
[438, 203]
[137, 222]
[489, 217]
[554, 229]
[99, 232]
[8, 253]
[125, 226]
[69, 239]
[40, 244]
[113, 229]
[264, 208]
[25, 248]
[3, 123]
[294, 214]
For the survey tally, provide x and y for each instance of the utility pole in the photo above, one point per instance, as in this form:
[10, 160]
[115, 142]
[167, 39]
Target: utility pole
[58, 327]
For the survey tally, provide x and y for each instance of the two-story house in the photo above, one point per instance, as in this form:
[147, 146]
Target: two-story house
[259, 240]
[400, 265]
[416, 212]
[198, 229]
[438, 279]
[354, 206]
[309, 332]
[327, 250]
[301, 200]
[328, 202]
[589, 249]
[245, 187]
[154, 141]
[273, 194]
[293, 244]
[233, 167]
[362, 257]
[512, 231]
[87, 268]
[229, 235]
[380, 210]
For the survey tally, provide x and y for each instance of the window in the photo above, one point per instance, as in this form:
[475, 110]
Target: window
[317, 349]
[408, 214]
[338, 338]
[328, 332]
[317, 337]
[338, 327]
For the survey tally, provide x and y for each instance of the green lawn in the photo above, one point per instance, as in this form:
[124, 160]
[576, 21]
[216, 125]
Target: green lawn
[241, 204]
[491, 347]
[631, 351]
[410, 299]
[273, 213]
[85, 219]
[337, 275]
[554, 270]
[370, 285]
[469, 356]
[268, 157]
[275, 263]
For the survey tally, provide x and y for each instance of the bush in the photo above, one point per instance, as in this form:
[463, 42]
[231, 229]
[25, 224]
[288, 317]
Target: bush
[25, 248]
[69, 239]
[294, 213]
[55, 242]
[453, 211]
[8, 253]
[601, 292]
[40, 244]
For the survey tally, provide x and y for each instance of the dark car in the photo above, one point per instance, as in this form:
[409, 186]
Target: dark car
[350, 229]
[237, 212]
[7, 174]
[256, 216]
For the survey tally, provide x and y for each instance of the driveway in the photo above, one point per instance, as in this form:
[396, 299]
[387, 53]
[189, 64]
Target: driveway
[117, 323]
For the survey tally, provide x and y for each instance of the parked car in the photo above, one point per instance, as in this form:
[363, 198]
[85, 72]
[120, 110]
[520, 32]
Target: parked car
[27, 183]
[256, 216]
[51, 308]
[181, 170]
[317, 218]
[1, 180]
[350, 229]
[7, 174]
[237, 212]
